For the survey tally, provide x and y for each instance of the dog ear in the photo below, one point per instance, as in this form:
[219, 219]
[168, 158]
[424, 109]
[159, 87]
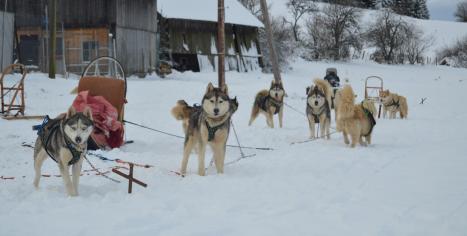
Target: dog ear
[307, 90]
[88, 112]
[225, 89]
[273, 82]
[210, 88]
[71, 112]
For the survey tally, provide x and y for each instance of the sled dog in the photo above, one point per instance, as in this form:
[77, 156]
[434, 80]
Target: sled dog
[207, 124]
[65, 140]
[393, 103]
[353, 119]
[318, 107]
[269, 102]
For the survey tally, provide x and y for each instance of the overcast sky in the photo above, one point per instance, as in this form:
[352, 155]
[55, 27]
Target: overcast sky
[442, 9]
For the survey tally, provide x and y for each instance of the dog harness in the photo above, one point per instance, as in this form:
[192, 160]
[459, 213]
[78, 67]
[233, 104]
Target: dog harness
[212, 130]
[47, 129]
[370, 117]
[263, 104]
[394, 104]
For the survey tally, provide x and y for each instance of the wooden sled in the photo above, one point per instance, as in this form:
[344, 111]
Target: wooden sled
[13, 104]
[373, 88]
[104, 76]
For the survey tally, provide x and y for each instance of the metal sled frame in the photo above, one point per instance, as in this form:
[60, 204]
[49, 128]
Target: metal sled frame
[16, 101]
[374, 84]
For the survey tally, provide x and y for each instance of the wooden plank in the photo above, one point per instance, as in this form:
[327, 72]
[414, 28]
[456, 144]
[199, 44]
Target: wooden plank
[23, 117]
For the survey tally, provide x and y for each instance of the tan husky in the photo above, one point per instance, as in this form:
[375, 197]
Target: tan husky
[208, 124]
[269, 102]
[354, 120]
[394, 103]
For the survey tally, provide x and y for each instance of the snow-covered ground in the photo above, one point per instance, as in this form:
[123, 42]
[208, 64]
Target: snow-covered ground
[411, 181]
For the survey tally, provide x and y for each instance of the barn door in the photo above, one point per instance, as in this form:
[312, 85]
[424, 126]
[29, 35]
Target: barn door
[29, 49]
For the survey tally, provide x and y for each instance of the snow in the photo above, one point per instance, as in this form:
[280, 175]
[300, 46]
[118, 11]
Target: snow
[411, 181]
[206, 10]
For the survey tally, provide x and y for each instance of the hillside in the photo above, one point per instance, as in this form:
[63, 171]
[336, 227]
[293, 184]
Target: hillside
[444, 33]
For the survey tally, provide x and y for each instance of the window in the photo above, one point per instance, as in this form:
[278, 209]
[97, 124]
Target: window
[90, 49]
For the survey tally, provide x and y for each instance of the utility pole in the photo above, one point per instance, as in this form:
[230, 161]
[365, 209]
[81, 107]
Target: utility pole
[221, 42]
[3, 35]
[52, 38]
[272, 50]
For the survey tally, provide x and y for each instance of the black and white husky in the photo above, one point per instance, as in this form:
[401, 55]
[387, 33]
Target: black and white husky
[269, 102]
[64, 139]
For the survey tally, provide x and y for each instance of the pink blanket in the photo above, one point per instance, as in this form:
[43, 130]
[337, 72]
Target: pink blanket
[108, 131]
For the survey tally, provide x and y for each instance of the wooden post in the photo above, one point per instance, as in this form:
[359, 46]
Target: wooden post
[130, 178]
[52, 38]
[272, 50]
[221, 42]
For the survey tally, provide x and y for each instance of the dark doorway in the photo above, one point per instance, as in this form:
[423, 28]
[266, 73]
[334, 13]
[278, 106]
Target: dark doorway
[184, 62]
[29, 49]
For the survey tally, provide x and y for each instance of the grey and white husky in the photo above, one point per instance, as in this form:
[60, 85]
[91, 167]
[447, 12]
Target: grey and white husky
[208, 124]
[65, 140]
[318, 107]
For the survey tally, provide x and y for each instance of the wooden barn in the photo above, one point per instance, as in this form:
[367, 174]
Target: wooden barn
[188, 33]
[87, 29]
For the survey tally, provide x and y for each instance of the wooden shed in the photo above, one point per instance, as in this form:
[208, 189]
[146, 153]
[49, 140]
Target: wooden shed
[188, 32]
[87, 29]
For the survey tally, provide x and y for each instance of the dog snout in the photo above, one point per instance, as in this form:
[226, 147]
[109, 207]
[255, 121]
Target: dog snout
[277, 95]
[78, 139]
[216, 111]
[316, 103]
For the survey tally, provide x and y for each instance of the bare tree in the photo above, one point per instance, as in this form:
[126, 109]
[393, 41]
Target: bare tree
[298, 8]
[283, 42]
[253, 6]
[455, 55]
[415, 44]
[334, 31]
[461, 11]
[387, 35]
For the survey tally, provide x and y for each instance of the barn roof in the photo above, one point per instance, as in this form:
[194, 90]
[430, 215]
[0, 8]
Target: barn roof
[206, 10]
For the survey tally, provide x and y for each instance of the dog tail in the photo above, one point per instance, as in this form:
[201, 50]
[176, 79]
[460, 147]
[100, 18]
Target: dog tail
[404, 107]
[326, 87]
[346, 108]
[181, 110]
[261, 94]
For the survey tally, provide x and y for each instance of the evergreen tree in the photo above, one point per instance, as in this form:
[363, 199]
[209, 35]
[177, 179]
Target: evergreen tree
[387, 3]
[424, 13]
[371, 4]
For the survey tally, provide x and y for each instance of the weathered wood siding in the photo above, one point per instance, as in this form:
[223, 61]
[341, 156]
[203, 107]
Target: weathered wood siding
[136, 35]
[188, 37]
[6, 38]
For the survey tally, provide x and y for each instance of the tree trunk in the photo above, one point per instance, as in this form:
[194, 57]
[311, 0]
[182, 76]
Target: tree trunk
[272, 50]
[52, 38]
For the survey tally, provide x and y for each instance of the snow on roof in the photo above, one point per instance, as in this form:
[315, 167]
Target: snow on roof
[206, 10]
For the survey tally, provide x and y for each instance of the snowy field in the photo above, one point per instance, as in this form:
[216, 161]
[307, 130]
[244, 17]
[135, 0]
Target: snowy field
[411, 181]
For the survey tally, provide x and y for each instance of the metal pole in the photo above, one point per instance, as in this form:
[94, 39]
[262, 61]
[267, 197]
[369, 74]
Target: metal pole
[221, 42]
[272, 50]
